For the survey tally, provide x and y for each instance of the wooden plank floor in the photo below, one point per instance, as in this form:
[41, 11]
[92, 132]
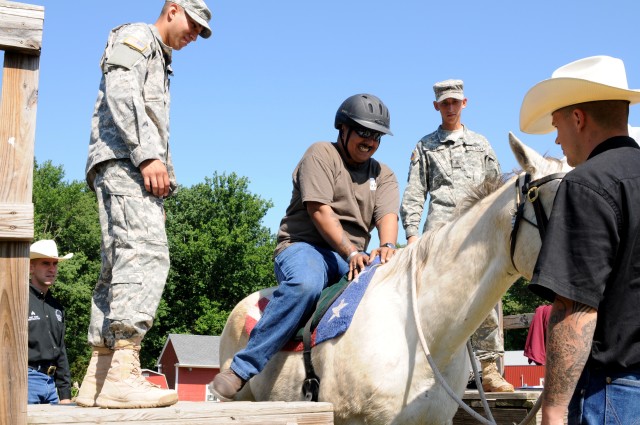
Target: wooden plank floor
[188, 413]
[506, 408]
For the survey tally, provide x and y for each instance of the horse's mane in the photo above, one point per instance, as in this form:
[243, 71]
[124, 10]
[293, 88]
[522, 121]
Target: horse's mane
[487, 187]
[481, 191]
[410, 257]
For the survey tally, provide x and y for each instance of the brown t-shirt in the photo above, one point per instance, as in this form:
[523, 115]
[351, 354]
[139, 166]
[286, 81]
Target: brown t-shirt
[359, 196]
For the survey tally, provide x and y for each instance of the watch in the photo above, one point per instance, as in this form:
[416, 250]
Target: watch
[388, 245]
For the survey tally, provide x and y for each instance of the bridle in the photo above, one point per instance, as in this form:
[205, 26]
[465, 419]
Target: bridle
[530, 191]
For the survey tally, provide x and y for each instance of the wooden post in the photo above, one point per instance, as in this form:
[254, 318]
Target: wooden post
[21, 39]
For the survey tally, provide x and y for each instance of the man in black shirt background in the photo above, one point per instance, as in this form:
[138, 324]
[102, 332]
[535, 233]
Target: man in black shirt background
[48, 364]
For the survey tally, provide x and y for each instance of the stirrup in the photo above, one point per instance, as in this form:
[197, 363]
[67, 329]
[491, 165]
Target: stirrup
[311, 388]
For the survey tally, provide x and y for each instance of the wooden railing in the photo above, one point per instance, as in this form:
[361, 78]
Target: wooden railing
[21, 39]
[517, 321]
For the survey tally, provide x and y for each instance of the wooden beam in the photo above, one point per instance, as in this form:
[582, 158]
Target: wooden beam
[16, 222]
[14, 274]
[17, 132]
[17, 127]
[190, 413]
[21, 27]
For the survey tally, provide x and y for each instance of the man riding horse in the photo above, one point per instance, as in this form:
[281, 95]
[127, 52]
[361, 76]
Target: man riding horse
[340, 193]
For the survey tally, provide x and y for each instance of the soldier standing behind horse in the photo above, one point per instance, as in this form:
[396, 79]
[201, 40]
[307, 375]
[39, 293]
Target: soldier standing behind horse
[589, 264]
[445, 165]
[340, 193]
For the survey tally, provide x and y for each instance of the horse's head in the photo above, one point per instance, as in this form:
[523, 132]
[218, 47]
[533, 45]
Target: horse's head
[535, 190]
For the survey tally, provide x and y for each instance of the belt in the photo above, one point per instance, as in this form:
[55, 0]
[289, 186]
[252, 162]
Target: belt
[45, 367]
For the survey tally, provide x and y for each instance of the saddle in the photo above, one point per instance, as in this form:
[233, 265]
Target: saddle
[331, 318]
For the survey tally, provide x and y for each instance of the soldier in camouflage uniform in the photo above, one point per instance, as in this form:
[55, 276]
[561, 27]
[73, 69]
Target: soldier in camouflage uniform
[130, 169]
[444, 165]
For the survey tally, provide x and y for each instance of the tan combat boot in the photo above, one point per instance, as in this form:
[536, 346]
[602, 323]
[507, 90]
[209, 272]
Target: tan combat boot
[125, 387]
[95, 376]
[492, 381]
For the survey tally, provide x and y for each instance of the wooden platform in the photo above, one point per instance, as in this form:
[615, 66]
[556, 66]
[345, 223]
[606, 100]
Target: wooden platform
[188, 413]
[506, 408]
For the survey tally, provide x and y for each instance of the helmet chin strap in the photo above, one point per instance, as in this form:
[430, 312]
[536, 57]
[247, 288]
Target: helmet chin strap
[345, 141]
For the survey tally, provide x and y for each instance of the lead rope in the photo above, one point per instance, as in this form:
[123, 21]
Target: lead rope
[476, 377]
[443, 382]
[434, 368]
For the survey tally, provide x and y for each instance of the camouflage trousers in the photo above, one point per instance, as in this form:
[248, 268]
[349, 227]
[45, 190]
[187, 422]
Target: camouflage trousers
[135, 255]
[487, 341]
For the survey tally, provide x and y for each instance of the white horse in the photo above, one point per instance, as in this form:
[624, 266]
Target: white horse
[377, 372]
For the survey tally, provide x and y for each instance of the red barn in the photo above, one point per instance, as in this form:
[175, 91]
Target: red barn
[519, 373]
[190, 362]
[155, 378]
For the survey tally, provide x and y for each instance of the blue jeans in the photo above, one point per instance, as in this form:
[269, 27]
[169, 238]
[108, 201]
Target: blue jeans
[303, 271]
[606, 399]
[42, 388]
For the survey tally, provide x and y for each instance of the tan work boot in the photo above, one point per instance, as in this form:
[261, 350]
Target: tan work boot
[492, 381]
[125, 387]
[95, 376]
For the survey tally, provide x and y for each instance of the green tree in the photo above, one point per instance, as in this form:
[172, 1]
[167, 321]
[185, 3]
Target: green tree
[67, 213]
[220, 253]
[519, 300]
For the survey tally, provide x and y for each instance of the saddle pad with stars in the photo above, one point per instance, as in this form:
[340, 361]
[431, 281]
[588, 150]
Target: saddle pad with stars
[336, 318]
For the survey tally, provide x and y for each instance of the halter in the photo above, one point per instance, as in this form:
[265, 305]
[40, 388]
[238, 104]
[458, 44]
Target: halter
[531, 191]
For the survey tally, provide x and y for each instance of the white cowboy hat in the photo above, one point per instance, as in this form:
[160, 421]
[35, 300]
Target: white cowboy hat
[46, 248]
[585, 80]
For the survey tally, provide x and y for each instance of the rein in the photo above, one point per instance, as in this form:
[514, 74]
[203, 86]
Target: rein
[530, 191]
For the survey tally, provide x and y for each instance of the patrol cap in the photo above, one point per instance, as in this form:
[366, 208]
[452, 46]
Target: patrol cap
[448, 89]
[199, 12]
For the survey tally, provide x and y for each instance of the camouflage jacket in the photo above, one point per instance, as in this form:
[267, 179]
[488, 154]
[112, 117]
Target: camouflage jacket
[444, 169]
[131, 115]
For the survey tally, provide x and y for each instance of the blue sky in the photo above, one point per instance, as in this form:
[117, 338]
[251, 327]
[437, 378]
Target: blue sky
[267, 84]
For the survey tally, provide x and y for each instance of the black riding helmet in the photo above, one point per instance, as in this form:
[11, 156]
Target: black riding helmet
[364, 110]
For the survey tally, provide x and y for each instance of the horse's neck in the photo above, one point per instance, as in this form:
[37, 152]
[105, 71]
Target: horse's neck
[467, 270]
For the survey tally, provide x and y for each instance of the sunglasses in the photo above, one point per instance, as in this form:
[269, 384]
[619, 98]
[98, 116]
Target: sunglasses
[365, 133]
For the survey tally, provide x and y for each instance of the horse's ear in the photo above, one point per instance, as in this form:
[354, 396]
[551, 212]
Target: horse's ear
[530, 160]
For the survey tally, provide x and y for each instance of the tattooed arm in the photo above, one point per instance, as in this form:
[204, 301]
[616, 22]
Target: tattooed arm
[569, 338]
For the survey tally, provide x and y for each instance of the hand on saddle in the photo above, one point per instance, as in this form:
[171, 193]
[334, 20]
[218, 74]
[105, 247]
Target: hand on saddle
[357, 261]
[385, 251]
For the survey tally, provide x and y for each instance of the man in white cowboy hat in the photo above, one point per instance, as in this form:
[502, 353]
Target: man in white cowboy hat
[49, 377]
[589, 264]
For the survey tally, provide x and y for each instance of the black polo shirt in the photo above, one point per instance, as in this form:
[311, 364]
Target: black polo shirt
[46, 338]
[591, 252]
